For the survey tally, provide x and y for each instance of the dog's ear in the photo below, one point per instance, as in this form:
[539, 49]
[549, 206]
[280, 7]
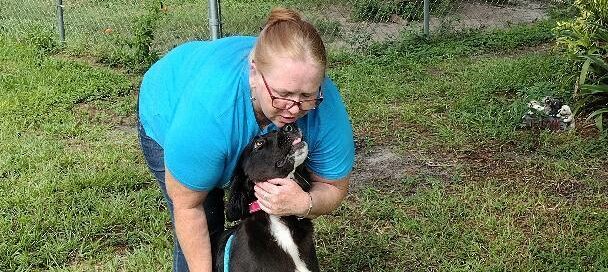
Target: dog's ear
[236, 208]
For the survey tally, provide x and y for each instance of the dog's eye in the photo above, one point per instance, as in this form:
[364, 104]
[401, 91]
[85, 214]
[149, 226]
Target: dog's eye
[258, 143]
[288, 128]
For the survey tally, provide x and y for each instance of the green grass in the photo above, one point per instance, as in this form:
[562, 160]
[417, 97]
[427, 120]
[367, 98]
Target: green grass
[73, 184]
[111, 31]
[481, 195]
[465, 227]
[535, 201]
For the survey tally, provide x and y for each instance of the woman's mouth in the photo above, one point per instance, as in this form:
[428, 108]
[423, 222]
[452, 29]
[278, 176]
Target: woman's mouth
[288, 119]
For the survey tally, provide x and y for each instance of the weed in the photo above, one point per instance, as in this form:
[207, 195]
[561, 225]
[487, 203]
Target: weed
[136, 53]
[43, 39]
[381, 11]
[329, 29]
[586, 40]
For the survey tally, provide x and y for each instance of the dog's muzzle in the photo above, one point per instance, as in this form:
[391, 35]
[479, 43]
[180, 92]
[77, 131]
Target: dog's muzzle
[299, 151]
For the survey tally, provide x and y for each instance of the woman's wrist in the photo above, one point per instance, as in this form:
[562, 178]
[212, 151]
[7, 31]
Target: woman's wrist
[309, 202]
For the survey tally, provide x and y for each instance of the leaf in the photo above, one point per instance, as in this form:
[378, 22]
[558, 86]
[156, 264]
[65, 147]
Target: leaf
[588, 89]
[584, 72]
[599, 122]
[601, 32]
[599, 112]
[598, 61]
[598, 115]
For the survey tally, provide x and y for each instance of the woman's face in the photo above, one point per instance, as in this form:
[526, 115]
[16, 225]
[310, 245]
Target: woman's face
[287, 79]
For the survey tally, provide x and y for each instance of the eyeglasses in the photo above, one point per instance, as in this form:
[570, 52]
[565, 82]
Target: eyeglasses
[285, 104]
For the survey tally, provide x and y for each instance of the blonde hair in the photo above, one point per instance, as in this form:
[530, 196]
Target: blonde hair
[286, 34]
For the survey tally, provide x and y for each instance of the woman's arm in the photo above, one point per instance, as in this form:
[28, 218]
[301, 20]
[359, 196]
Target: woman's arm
[327, 195]
[190, 224]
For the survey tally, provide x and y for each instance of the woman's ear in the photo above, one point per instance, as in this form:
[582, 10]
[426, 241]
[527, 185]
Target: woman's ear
[253, 69]
[252, 75]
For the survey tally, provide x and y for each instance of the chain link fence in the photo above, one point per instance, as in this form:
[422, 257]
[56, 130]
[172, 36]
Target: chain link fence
[124, 32]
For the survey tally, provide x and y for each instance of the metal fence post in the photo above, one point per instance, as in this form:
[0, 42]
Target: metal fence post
[215, 24]
[60, 25]
[427, 17]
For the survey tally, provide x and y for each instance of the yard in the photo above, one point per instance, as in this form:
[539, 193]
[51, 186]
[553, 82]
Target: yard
[444, 179]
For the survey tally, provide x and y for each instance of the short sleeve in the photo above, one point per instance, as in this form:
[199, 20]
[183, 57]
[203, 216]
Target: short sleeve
[330, 136]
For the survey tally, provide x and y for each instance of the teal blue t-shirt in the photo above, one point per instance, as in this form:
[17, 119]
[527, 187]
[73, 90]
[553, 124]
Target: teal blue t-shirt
[196, 103]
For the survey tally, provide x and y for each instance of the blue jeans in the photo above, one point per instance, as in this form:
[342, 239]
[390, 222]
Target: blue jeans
[213, 205]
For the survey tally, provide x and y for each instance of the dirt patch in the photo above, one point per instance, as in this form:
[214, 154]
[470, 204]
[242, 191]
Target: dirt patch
[384, 168]
[353, 33]
[586, 128]
[387, 169]
[466, 15]
[486, 15]
[94, 114]
[381, 164]
[502, 164]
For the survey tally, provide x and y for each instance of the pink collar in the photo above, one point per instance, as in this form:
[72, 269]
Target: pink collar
[254, 207]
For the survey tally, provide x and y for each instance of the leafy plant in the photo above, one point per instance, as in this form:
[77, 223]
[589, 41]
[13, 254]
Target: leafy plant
[381, 10]
[136, 53]
[593, 83]
[586, 40]
[42, 38]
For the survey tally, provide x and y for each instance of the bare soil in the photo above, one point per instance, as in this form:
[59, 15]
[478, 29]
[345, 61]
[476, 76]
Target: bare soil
[385, 168]
[466, 15]
[487, 15]
[388, 169]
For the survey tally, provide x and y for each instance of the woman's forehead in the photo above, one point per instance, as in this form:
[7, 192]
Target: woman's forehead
[288, 75]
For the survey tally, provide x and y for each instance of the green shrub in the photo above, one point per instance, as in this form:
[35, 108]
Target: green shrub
[585, 39]
[43, 39]
[135, 53]
[381, 10]
[329, 29]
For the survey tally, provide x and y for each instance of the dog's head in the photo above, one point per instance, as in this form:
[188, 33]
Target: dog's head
[272, 155]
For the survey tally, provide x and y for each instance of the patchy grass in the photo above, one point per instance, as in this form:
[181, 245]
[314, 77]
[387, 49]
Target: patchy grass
[79, 191]
[129, 34]
[444, 180]
[479, 193]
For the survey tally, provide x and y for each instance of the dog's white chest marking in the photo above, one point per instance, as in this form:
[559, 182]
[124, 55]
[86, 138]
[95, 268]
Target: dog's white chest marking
[283, 236]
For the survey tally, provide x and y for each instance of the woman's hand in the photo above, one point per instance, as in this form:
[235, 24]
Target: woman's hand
[282, 197]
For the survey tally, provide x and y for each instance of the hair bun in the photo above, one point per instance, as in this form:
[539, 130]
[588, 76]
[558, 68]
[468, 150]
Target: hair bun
[287, 34]
[278, 15]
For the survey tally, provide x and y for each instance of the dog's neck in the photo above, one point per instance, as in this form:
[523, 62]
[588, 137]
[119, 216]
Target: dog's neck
[255, 205]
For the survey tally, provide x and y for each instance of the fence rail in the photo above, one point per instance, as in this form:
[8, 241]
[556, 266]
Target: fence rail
[117, 29]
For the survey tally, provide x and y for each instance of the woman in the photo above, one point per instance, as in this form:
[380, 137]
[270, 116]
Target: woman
[204, 101]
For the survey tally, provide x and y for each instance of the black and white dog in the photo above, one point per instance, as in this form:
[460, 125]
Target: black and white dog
[262, 242]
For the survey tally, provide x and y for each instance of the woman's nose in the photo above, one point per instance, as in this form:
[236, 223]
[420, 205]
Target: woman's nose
[294, 110]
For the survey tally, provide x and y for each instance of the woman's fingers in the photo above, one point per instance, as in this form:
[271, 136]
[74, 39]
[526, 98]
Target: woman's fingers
[278, 196]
